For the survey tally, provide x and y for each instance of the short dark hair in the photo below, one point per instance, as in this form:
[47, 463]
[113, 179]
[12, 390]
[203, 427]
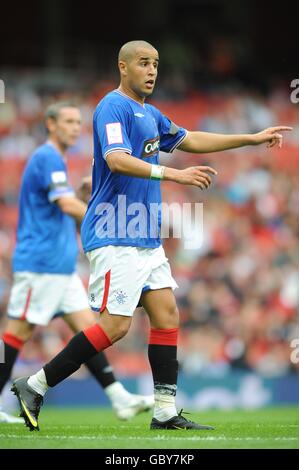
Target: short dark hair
[54, 109]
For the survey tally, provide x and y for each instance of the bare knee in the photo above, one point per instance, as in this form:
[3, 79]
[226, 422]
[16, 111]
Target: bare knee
[78, 321]
[160, 305]
[115, 326]
[165, 317]
[168, 318]
[175, 316]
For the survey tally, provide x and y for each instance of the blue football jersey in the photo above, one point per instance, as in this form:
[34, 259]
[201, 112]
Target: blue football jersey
[125, 210]
[46, 237]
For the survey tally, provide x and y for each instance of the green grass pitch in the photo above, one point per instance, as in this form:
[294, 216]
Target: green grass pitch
[97, 428]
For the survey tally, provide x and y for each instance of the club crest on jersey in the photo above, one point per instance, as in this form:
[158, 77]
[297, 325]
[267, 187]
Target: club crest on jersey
[151, 147]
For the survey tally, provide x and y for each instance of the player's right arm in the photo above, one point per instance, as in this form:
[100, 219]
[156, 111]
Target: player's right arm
[125, 164]
[112, 122]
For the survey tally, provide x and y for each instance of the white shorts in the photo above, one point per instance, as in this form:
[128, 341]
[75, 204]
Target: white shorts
[118, 274]
[37, 297]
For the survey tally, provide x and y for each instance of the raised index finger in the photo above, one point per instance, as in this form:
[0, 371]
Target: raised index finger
[281, 128]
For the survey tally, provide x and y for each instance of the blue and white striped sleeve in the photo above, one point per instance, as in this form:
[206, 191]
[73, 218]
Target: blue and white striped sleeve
[55, 180]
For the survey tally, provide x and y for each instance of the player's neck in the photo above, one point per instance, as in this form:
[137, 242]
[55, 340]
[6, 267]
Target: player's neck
[60, 148]
[130, 93]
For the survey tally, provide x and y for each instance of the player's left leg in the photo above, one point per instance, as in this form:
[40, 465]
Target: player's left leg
[125, 404]
[84, 345]
[162, 310]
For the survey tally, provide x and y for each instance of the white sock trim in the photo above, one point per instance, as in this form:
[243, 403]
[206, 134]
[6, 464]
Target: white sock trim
[165, 408]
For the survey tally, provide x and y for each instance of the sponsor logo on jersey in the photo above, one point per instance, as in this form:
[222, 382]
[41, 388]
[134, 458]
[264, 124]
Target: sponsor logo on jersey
[151, 147]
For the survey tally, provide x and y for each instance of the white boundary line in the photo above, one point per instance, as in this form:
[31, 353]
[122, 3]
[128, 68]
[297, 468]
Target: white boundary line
[154, 438]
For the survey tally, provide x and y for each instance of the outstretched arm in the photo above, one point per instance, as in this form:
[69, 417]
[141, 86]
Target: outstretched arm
[205, 142]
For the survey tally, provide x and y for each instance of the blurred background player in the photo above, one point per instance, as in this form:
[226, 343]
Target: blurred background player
[45, 281]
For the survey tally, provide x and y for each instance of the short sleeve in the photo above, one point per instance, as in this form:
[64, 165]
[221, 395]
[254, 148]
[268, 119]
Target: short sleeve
[170, 134]
[54, 178]
[112, 124]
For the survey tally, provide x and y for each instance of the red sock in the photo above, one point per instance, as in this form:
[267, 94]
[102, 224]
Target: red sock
[97, 337]
[167, 337]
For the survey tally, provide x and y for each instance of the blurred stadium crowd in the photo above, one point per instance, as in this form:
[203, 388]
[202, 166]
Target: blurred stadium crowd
[239, 292]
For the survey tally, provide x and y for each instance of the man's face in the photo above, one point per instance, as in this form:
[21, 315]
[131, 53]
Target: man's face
[141, 71]
[67, 127]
